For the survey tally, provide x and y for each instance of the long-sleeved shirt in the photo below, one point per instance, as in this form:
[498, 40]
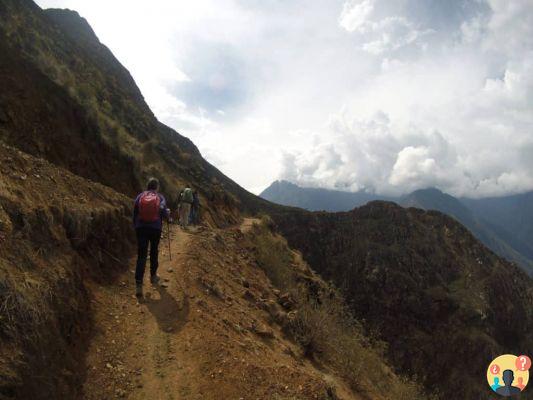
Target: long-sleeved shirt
[163, 213]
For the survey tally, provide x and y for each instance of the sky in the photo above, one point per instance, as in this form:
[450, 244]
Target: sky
[386, 96]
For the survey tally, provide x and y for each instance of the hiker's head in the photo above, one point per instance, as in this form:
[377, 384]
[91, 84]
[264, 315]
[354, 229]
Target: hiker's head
[508, 377]
[153, 184]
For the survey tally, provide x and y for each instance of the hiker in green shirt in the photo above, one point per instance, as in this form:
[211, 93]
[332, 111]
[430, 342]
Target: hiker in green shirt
[185, 201]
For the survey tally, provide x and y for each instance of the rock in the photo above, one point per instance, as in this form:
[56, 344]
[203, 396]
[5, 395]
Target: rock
[286, 301]
[109, 366]
[170, 269]
[262, 331]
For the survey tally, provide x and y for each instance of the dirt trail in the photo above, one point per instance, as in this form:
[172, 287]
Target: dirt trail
[136, 342]
[207, 336]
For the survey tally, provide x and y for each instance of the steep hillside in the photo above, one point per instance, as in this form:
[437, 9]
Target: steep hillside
[58, 57]
[316, 199]
[56, 231]
[425, 286]
[491, 234]
[71, 327]
[502, 224]
[222, 329]
[513, 215]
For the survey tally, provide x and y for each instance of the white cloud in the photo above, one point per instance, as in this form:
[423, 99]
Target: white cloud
[430, 93]
[354, 16]
[379, 34]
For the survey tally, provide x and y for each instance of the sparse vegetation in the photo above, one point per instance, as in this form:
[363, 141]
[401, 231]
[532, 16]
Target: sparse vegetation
[273, 256]
[324, 326]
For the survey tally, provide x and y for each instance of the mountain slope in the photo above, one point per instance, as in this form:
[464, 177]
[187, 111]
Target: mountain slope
[67, 62]
[425, 286]
[492, 235]
[502, 224]
[56, 231]
[512, 214]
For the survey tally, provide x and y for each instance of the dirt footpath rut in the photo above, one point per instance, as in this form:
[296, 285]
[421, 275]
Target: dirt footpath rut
[133, 354]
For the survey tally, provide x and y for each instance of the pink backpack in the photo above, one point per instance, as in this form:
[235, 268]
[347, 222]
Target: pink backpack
[149, 203]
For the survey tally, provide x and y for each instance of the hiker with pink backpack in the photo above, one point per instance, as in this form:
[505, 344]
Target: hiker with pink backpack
[148, 214]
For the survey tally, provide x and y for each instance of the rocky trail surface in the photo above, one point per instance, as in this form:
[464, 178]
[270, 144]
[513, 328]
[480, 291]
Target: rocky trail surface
[206, 335]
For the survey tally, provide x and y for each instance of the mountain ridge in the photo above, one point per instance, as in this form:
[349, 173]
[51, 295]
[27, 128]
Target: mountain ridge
[400, 274]
[480, 216]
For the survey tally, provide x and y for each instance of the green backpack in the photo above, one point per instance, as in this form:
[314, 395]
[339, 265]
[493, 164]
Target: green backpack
[187, 196]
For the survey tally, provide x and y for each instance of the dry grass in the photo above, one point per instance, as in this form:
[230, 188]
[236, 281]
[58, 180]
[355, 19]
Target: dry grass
[273, 256]
[325, 327]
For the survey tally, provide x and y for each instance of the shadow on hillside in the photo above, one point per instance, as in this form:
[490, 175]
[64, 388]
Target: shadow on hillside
[171, 315]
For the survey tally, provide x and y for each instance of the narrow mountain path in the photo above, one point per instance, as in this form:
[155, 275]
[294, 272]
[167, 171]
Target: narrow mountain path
[208, 335]
[136, 341]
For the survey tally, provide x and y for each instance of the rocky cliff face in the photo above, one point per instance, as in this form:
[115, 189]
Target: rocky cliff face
[444, 303]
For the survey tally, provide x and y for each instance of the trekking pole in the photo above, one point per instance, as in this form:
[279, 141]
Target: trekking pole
[168, 234]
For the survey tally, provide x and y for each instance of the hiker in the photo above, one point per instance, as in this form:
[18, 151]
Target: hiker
[195, 210]
[185, 201]
[148, 213]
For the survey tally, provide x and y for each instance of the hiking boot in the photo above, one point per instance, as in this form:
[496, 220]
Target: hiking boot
[154, 280]
[139, 290]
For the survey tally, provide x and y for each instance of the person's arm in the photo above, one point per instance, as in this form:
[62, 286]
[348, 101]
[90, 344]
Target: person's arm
[164, 211]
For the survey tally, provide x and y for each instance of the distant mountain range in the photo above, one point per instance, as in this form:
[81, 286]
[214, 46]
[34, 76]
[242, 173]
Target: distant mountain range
[503, 224]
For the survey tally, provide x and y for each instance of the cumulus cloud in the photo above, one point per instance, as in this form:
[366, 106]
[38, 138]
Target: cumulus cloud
[458, 116]
[374, 155]
[379, 35]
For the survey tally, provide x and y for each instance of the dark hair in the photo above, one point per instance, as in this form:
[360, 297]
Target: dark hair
[153, 184]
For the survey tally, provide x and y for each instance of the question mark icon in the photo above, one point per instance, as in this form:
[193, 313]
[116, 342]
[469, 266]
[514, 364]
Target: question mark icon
[495, 369]
[523, 363]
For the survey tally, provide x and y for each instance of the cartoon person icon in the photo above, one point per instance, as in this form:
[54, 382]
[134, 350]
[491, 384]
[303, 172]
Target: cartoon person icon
[520, 385]
[508, 390]
[496, 384]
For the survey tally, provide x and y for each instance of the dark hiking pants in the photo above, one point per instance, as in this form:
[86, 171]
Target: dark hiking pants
[145, 237]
